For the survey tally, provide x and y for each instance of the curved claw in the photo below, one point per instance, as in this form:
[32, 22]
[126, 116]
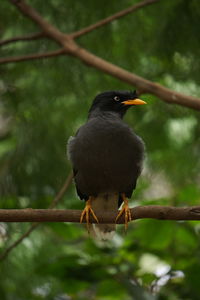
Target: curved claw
[86, 212]
[127, 212]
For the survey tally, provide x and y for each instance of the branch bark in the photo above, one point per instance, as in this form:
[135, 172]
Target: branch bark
[68, 215]
[72, 48]
[32, 56]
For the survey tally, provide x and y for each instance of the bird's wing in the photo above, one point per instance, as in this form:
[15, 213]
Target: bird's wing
[69, 143]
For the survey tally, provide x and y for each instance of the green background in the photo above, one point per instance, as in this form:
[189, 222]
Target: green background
[43, 102]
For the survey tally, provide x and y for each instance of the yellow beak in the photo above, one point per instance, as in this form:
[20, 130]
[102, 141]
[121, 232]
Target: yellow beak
[134, 102]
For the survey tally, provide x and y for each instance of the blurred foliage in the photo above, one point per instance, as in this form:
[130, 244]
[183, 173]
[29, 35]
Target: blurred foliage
[43, 102]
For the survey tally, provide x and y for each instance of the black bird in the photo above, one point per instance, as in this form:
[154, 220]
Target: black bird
[107, 158]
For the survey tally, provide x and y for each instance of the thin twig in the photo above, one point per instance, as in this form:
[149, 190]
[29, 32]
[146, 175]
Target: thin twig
[57, 198]
[69, 215]
[62, 191]
[5, 253]
[7, 60]
[29, 37]
[111, 18]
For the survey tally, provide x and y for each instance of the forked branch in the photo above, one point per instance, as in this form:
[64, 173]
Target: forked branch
[72, 48]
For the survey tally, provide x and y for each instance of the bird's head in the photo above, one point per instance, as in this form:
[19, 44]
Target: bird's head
[115, 101]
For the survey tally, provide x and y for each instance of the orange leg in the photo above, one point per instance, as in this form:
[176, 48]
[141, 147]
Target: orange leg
[87, 211]
[126, 210]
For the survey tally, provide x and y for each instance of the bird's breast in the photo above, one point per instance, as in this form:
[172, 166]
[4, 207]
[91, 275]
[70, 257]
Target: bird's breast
[107, 154]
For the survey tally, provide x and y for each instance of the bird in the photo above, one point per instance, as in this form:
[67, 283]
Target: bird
[106, 157]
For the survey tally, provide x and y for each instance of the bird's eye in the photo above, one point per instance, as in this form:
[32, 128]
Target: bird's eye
[116, 98]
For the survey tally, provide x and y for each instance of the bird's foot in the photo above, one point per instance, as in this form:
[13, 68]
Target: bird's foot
[126, 210]
[86, 212]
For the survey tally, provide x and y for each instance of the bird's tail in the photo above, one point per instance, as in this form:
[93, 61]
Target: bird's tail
[104, 203]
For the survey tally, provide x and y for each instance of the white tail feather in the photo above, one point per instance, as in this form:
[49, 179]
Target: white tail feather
[104, 203]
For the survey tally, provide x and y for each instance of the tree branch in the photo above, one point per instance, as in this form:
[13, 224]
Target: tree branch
[146, 86]
[30, 12]
[32, 56]
[30, 37]
[110, 19]
[88, 58]
[55, 201]
[68, 215]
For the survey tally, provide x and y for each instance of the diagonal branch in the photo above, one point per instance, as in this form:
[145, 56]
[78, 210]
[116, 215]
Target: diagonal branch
[30, 12]
[29, 37]
[110, 19]
[146, 86]
[88, 58]
[7, 60]
[55, 201]
[69, 215]
[62, 191]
